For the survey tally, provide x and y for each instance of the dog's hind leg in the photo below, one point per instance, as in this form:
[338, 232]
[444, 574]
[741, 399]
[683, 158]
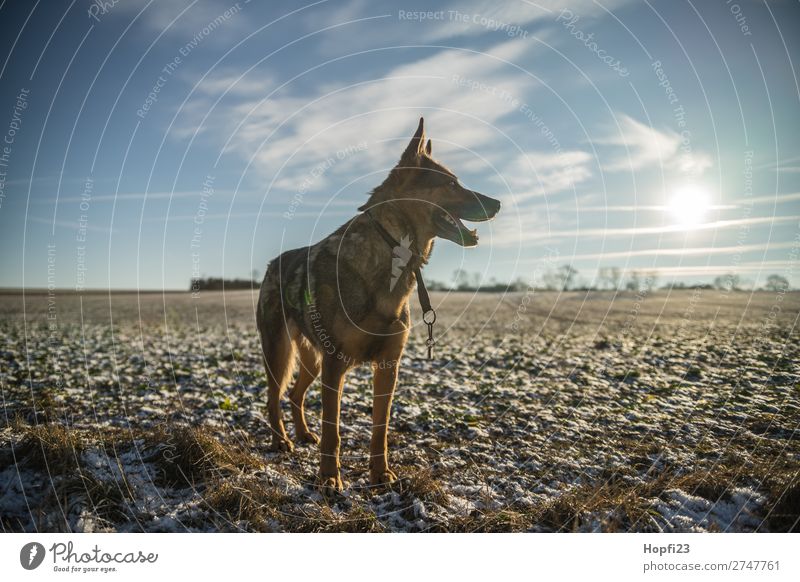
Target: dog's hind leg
[279, 355]
[310, 366]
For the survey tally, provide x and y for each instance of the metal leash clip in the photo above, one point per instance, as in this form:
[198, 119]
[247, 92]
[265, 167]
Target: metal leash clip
[429, 317]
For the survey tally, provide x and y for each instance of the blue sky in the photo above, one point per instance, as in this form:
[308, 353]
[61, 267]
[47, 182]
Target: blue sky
[154, 140]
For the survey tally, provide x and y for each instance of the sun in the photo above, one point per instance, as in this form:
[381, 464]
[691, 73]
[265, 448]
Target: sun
[689, 205]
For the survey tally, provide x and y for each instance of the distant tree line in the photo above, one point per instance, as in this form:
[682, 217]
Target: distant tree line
[567, 278]
[563, 278]
[218, 284]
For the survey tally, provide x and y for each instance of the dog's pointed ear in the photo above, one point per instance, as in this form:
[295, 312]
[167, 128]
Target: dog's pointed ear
[415, 146]
[428, 148]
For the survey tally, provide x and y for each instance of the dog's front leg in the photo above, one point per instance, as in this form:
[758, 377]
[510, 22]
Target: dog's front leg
[333, 372]
[384, 380]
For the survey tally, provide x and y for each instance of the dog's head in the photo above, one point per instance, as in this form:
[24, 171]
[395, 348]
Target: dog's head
[429, 193]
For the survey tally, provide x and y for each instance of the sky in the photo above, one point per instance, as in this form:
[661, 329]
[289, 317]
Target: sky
[145, 143]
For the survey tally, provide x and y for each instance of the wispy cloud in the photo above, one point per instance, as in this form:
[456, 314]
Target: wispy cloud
[712, 270]
[534, 229]
[234, 83]
[646, 208]
[212, 20]
[248, 215]
[788, 165]
[769, 199]
[466, 21]
[66, 224]
[482, 17]
[589, 203]
[128, 196]
[634, 145]
[535, 174]
[676, 252]
[285, 135]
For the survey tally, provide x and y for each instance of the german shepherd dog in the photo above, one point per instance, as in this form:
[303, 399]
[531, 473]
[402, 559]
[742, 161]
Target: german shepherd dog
[344, 301]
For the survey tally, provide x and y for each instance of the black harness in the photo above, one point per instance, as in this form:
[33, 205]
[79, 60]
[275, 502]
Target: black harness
[428, 313]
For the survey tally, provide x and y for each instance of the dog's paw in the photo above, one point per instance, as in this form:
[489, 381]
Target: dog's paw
[330, 486]
[307, 438]
[281, 444]
[382, 477]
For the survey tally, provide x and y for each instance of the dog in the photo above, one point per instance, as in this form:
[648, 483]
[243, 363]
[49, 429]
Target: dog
[343, 302]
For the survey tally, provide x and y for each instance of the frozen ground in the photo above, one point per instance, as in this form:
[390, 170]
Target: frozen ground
[670, 411]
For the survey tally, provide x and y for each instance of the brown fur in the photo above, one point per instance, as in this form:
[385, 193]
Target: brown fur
[332, 303]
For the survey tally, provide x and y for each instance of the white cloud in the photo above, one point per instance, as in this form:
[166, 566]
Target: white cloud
[212, 20]
[634, 145]
[139, 196]
[304, 131]
[536, 174]
[235, 83]
[672, 252]
[67, 224]
[486, 16]
[526, 227]
[494, 20]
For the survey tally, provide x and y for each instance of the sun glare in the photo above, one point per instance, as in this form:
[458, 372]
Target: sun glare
[689, 206]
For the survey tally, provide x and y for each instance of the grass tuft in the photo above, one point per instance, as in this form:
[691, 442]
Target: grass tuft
[188, 456]
[48, 447]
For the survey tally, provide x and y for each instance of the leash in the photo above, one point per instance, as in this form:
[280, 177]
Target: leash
[428, 313]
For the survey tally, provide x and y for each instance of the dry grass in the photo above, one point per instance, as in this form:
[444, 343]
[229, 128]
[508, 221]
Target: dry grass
[184, 456]
[783, 500]
[246, 502]
[227, 479]
[425, 485]
[488, 521]
[616, 506]
[70, 489]
[190, 456]
[784, 509]
[83, 493]
[358, 519]
[47, 447]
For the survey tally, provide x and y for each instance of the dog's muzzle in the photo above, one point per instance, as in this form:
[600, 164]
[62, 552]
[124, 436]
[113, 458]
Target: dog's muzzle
[473, 207]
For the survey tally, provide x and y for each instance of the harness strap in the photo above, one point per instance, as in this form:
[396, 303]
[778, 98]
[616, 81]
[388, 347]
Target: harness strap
[390, 240]
[428, 313]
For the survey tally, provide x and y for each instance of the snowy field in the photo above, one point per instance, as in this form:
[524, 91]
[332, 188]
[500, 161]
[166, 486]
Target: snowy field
[668, 411]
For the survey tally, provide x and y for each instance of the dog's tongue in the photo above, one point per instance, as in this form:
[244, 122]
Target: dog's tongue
[469, 238]
[456, 231]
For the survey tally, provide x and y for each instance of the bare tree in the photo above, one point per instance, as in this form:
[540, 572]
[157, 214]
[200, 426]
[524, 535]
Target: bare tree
[517, 284]
[642, 282]
[566, 275]
[603, 278]
[460, 279]
[650, 280]
[616, 277]
[475, 281]
[727, 282]
[777, 283]
[551, 280]
[609, 277]
[633, 283]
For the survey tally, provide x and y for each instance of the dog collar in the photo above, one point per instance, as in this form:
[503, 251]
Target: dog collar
[390, 240]
[428, 313]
